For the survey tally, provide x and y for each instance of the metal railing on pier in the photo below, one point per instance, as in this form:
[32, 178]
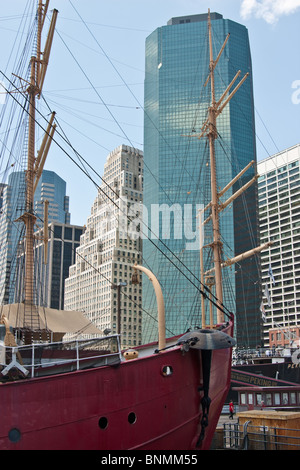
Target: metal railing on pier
[249, 437]
[249, 356]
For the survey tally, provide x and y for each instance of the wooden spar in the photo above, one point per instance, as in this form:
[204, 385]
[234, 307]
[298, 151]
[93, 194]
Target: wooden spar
[46, 55]
[223, 205]
[247, 254]
[231, 94]
[242, 256]
[235, 179]
[46, 235]
[43, 144]
[228, 88]
[237, 193]
[43, 151]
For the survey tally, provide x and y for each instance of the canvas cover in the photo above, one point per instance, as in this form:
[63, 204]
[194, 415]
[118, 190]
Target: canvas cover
[57, 321]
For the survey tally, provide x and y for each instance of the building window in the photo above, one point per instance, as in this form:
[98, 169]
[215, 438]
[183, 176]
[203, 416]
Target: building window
[285, 398]
[278, 336]
[258, 398]
[68, 233]
[78, 233]
[293, 398]
[269, 399]
[57, 231]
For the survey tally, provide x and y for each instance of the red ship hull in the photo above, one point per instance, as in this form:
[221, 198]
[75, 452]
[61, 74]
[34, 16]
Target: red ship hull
[131, 406]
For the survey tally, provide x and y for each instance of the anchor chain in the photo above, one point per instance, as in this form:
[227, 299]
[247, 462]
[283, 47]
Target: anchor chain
[206, 400]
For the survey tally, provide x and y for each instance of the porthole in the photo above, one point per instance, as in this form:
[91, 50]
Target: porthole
[103, 422]
[131, 418]
[14, 435]
[167, 371]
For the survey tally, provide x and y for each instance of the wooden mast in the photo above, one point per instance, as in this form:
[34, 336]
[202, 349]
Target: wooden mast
[38, 70]
[209, 129]
[212, 135]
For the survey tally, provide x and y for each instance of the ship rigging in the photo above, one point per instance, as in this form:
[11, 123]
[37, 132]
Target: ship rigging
[90, 394]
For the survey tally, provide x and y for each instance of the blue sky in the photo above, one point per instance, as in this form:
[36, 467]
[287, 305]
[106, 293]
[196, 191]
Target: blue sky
[95, 81]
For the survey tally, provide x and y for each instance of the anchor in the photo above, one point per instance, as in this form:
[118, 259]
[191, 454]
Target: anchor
[207, 341]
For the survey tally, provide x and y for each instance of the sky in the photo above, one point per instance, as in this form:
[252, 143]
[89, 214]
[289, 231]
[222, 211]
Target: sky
[95, 77]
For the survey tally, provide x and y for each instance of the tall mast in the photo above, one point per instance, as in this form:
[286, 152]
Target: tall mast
[29, 217]
[38, 70]
[209, 129]
[212, 135]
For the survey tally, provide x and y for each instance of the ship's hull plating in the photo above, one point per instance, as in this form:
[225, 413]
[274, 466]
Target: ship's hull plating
[138, 404]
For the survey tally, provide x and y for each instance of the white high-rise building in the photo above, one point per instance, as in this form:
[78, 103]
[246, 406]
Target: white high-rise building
[279, 216]
[99, 283]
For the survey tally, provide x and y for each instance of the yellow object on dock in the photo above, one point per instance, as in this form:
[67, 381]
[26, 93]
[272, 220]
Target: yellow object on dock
[281, 428]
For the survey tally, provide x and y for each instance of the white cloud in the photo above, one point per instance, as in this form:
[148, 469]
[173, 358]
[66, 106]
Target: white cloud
[269, 10]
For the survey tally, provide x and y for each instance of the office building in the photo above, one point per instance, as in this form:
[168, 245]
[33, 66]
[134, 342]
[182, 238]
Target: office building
[2, 187]
[99, 282]
[52, 188]
[53, 269]
[177, 174]
[279, 218]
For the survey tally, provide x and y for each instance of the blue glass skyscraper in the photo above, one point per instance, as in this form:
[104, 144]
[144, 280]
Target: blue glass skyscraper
[53, 188]
[177, 172]
[50, 187]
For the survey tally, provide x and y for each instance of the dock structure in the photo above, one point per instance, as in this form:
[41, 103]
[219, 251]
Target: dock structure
[259, 429]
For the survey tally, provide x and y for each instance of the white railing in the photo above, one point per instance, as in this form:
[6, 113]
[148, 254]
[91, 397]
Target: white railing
[39, 359]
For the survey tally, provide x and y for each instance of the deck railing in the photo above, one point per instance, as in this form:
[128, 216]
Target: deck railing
[40, 359]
